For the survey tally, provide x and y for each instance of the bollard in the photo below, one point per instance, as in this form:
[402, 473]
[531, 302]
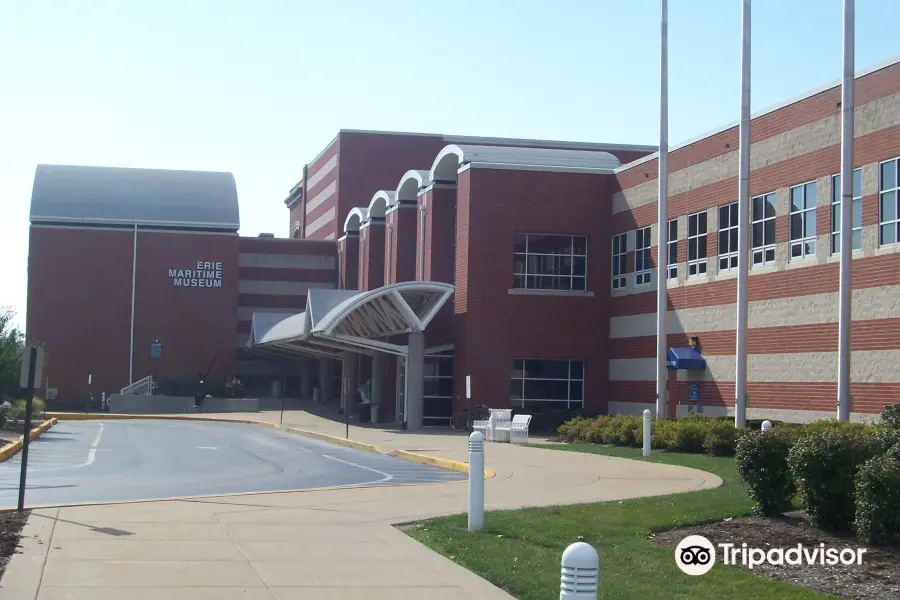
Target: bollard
[580, 575]
[766, 425]
[648, 436]
[476, 481]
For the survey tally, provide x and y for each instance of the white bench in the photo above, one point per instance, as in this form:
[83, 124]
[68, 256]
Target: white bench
[516, 431]
[500, 418]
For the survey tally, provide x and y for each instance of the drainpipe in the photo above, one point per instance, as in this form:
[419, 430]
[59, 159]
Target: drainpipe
[662, 229]
[133, 289]
[740, 379]
[422, 210]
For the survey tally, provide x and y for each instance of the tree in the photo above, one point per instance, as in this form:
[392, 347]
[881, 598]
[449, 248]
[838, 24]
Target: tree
[12, 340]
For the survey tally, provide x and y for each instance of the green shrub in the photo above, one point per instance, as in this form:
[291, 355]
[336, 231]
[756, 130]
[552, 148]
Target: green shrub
[721, 438]
[823, 465]
[762, 462]
[890, 416]
[882, 439]
[574, 430]
[834, 425]
[681, 435]
[17, 410]
[625, 430]
[878, 500]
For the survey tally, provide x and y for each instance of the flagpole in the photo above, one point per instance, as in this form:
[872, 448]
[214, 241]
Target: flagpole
[661, 228]
[740, 380]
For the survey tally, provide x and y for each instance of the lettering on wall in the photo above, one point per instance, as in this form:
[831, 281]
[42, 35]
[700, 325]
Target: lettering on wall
[206, 275]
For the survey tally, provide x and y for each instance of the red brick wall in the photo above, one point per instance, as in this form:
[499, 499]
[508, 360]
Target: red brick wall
[440, 234]
[401, 238]
[374, 261]
[349, 259]
[336, 226]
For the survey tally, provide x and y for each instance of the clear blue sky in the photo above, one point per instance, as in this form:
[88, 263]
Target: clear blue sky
[260, 86]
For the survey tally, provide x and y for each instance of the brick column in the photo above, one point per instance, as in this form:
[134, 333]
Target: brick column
[372, 267]
[440, 234]
[400, 242]
[348, 249]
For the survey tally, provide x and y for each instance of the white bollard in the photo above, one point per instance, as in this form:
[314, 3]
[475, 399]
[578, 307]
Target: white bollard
[580, 576]
[766, 425]
[476, 481]
[648, 436]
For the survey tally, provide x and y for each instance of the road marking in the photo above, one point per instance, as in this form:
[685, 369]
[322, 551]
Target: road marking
[92, 453]
[385, 476]
[206, 448]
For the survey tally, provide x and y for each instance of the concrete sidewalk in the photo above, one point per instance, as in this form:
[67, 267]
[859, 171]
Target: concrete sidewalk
[328, 545]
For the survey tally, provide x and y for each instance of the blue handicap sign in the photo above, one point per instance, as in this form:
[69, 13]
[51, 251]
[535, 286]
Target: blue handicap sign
[695, 392]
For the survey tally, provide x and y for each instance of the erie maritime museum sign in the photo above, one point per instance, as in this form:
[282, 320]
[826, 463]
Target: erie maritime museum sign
[207, 274]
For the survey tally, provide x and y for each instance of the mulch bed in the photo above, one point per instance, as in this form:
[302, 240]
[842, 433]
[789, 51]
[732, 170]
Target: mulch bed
[876, 579]
[11, 524]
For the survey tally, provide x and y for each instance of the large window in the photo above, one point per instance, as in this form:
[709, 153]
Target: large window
[550, 262]
[557, 383]
[697, 244]
[803, 220]
[642, 256]
[836, 212]
[728, 236]
[437, 397]
[619, 253]
[889, 196]
[763, 229]
[672, 245]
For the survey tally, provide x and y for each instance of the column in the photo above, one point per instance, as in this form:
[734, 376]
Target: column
[415, 380]
[325, 391]
[349, 381]
[379, 366]
[306, 378]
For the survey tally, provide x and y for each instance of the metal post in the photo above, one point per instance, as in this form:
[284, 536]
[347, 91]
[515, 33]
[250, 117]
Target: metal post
[580, 573]
[647, 433]
[29, 398]
[662, 229]
[133, 290]
[476, 481]
[740, 381]
[844, 400]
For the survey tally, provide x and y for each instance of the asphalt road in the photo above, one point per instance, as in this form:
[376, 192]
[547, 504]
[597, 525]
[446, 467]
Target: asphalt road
[107, 461]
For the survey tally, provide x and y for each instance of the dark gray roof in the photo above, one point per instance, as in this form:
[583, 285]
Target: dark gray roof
[74, 194]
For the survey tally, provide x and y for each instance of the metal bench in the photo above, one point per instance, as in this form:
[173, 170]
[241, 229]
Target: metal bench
[516, 431]
[500, 418]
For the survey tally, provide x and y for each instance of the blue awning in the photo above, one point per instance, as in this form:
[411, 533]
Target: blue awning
[689, 359]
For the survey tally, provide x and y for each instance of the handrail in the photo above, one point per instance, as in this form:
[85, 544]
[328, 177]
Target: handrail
[131, 389]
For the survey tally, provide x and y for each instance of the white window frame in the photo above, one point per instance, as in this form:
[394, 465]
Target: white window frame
[729, 258]
[697, 266]
[619, 261]
[432, 374]
[642, 275]
[836, 212]
[518, 376]
[883, 192]
[806, 240]
[763, 254]
[574, 276]
[672, 248]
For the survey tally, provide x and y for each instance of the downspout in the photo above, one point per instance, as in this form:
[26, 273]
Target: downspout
[390, 242]
[133, 290]
[303, 200]
[422, 210]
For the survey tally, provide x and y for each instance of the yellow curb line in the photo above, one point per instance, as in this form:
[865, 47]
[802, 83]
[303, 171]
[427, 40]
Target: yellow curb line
[334, 440]
[13, 448]
[125, 417]
[446, 463]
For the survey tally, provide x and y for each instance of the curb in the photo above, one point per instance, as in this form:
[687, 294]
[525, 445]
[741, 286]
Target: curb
[445, 463]
[334, 440]
[13, 448]
[125, 417]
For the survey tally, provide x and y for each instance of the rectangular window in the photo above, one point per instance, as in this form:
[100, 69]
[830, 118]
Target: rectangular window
[762, 216]
[697, 244]
[728, 236]
[550, 383]
[803, 220]
[888, 198]
[550, 262]
[672, 245]
[836, 212]
[619, 252]
[642, 256]
[437, 393]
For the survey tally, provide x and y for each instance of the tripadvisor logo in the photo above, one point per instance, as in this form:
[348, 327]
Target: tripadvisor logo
[696, 555]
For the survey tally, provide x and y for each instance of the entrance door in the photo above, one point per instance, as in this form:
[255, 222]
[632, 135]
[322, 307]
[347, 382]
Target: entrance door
[400, 408]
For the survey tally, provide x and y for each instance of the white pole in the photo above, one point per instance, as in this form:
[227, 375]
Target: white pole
[648, 434]
[580, 573]
[476, 481]
[740, 380]
[844, 400]
[661, 227]
[133, 289]
[766, 426]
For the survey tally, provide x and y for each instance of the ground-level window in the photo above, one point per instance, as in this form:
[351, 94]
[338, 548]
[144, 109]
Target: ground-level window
[803, 220]
[554, 383]
[728, 236]
[856, 209]
[642, 256]
[763, 229]
[437, 397]
[550, 262]
[619, 252]
[889, 197]
[697, 244]
[672, 245]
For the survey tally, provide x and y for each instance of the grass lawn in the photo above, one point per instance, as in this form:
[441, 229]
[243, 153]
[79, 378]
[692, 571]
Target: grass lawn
[520, 550]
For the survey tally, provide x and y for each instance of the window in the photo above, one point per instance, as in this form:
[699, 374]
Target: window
[836, 212]
[619, 252]
[672, 245]
[553, 383]
[728, 236]
[763, 229]
[697, 244]
[888, 193]
[803, 220]
[437, 397]
[550, 262]
[642, 256]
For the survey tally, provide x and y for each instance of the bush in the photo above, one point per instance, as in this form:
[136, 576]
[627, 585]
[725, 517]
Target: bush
[681, 435]
[17, 410]
[721, 438]
[823, 465]
[762, 462]
[894, 452]
[890, 416]
[882, 439]
[878, 500]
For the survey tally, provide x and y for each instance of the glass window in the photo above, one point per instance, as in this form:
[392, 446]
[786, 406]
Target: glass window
[672, 245]
[437, 397]
[619, 253]
[803, 220]
[762, 228]
[836, 212]
[728, 236]
[550, 262]
[559, 383]
[697, 244]
[642, 256]
[888, 194]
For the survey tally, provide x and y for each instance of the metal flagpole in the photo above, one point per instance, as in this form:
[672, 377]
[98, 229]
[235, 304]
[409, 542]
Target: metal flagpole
[662, 229]
[740, 380]
[844, 400]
